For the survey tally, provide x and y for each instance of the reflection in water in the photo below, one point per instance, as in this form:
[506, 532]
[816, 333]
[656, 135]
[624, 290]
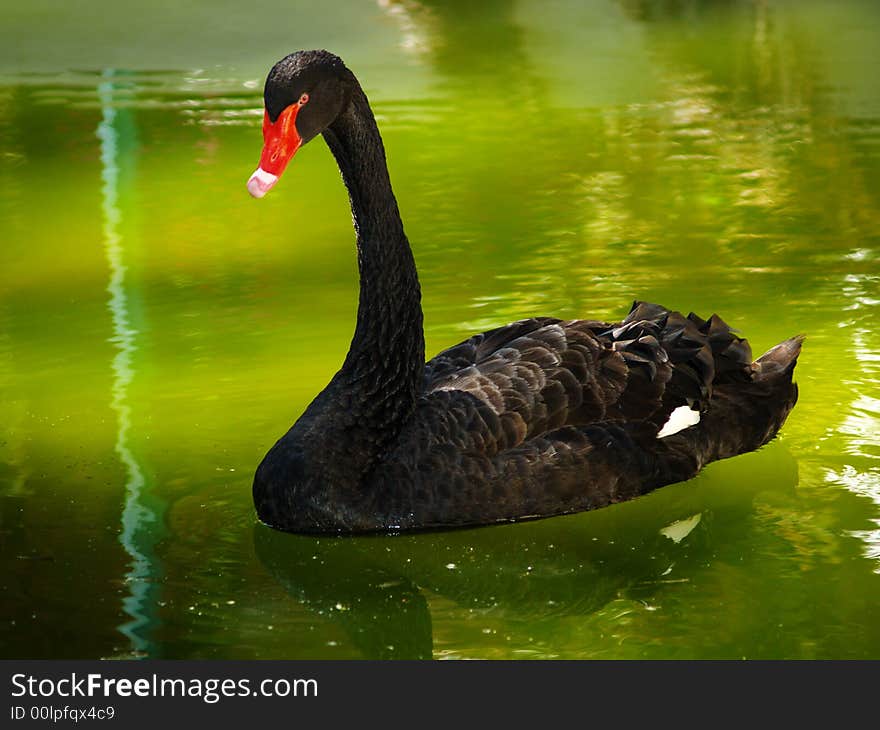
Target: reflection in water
[411, 18]
[442, 33]
[862, 422]
[139, 520]
[384, 613]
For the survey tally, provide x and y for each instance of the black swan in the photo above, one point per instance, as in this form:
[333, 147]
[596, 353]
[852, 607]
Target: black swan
[541, 417]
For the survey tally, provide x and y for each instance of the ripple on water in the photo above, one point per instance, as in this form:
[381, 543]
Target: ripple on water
[202, 98]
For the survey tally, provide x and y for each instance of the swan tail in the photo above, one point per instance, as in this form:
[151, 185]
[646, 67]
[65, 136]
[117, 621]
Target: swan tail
[742, 416]
[779, 361]
[776, 392]
[745, 416]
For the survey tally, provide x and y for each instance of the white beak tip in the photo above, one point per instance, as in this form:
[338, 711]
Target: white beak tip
[261, 182]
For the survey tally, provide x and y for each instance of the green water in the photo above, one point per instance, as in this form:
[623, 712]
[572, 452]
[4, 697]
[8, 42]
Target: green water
[159, 329]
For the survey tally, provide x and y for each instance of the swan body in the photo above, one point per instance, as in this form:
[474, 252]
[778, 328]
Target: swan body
[537, 418]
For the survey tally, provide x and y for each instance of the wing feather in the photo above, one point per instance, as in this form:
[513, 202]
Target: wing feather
[540, 375]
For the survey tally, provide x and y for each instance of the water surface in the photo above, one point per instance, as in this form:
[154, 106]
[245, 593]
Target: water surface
[159, 329]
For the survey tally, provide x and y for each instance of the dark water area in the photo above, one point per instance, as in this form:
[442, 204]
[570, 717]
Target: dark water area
[159, 329]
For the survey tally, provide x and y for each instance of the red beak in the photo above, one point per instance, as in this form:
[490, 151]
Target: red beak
[281, 140]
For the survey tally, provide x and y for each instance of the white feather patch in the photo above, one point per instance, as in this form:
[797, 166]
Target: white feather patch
[681, 418]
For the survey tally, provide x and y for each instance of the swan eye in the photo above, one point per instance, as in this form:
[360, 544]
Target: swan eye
[303, 100]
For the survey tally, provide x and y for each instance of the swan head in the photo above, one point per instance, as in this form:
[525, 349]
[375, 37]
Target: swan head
[303, 95]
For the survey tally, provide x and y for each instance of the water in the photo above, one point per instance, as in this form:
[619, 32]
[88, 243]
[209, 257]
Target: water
[159, 329]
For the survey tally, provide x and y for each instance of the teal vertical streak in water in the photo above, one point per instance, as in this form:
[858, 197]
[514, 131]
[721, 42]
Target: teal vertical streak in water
[140, 523]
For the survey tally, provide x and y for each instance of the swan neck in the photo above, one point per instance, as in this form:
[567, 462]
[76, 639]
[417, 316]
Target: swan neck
[356, 144]
[386, 360]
